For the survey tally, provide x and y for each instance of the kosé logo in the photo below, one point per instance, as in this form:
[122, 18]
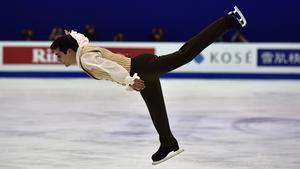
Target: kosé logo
[231, 58]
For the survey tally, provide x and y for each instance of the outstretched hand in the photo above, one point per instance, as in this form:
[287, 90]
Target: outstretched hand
[67, 32]
[138, 85]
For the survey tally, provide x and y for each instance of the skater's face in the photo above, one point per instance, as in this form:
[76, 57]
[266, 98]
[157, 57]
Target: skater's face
[68, 58]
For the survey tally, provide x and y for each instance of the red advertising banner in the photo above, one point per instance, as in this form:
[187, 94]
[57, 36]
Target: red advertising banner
[43, 55]
[28, 55]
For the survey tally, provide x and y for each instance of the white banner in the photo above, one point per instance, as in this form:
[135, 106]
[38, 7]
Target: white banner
[221, 58]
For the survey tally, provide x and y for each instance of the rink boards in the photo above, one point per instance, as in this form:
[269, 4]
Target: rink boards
[219, 60]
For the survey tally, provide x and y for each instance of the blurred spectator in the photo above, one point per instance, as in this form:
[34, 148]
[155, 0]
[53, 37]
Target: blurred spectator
[27, 34]
[90, 32]
[239, 37]
[157, 34]
[223, 38]
[56, 32]
[119, 37]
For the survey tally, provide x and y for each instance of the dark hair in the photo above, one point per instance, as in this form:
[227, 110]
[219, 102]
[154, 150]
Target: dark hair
[64, 43]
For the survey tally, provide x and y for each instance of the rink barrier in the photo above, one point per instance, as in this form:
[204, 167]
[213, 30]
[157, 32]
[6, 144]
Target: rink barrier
[218, 61]
[262, 76]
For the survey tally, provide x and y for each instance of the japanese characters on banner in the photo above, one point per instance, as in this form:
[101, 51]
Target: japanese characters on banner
[221, 58]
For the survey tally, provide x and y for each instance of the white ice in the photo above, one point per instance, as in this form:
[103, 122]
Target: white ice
[89, 124]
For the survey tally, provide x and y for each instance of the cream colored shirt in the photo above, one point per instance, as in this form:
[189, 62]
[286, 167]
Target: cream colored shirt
[93, 60]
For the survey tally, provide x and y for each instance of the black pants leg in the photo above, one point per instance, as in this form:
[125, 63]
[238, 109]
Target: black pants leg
[153, 98]
[192, 47]
[149, 67]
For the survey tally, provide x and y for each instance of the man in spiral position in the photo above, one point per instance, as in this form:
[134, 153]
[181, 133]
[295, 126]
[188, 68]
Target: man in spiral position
[142, 72]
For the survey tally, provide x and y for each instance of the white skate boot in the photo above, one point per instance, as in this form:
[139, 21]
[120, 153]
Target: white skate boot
[239, 16]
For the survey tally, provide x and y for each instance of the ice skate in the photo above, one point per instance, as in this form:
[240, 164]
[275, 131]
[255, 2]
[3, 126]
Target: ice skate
[239, 16]
[173, 154]
[165, 153]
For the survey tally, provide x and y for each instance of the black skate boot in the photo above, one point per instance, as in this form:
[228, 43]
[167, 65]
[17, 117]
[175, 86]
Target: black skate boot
[161, 154]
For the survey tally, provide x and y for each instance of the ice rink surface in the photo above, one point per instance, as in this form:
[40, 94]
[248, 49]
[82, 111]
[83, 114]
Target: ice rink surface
[88, 124]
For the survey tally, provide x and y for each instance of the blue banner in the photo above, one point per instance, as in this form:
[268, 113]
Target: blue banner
[278, 57]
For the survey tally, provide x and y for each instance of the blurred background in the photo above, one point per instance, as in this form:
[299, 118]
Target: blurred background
[135, 20]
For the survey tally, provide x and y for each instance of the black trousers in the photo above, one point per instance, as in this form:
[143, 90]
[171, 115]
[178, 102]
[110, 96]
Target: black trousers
[149, 67]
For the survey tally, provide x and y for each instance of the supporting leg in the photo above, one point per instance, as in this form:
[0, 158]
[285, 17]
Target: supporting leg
[154, 100]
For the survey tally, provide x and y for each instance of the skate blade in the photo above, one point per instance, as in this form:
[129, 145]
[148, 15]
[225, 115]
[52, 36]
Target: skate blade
[168, 157]
[242, 20]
